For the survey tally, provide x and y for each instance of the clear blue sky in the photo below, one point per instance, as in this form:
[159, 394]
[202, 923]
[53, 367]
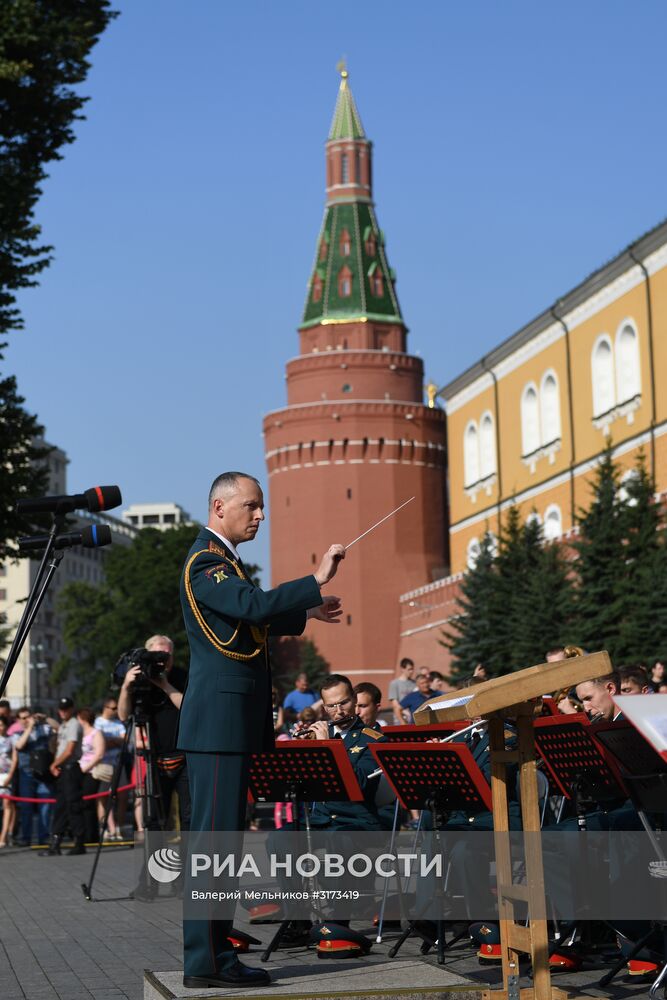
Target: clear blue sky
[518, 146]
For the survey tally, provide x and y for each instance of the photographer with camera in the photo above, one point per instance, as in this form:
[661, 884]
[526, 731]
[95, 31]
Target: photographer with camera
[152, 692]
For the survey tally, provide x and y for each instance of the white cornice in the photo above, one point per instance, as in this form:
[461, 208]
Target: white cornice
[475, 388]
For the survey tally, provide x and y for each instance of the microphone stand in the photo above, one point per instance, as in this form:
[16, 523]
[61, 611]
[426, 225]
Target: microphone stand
[34, 600]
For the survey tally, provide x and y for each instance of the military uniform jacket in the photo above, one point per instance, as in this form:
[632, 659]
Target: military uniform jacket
[354, 815]
[480, 749]
[227, 703]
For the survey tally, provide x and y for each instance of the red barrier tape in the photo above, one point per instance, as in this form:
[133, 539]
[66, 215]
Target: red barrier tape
[86, 798]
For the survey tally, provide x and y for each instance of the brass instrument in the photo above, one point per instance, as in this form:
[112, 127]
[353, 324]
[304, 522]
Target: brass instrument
[307, 734]
[570, 653]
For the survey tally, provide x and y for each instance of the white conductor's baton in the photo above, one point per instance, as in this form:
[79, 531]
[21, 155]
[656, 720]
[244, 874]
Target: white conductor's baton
[378, 523]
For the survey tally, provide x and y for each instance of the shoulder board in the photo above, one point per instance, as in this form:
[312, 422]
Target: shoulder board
[218, 549]
[373, 733]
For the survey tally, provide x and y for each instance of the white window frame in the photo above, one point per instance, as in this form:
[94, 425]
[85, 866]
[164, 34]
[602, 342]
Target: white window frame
[552, 508]
[470, 456]
[530, 454]
[627, 404]
[602, 417]
[551, 441]
[473, 546]
[486, 473]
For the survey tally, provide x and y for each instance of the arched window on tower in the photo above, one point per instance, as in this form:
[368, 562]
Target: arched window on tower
[323, 249]
[553, 522]
[344, 169]
[602, 370]
[376, 280]
[344, 283]
[316, 294]
[470, 455]
[487, 447]
[345, 245]
[628, 378]
[370, 244]
[549, 409]
[530, 420]
[357, 167]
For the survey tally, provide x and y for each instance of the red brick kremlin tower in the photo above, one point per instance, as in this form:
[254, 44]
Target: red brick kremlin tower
[355, 439]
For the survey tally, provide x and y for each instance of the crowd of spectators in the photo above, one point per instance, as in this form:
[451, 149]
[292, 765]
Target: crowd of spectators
[47, 768]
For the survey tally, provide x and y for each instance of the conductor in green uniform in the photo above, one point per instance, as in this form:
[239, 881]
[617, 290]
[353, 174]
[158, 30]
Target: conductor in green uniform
[226, 709]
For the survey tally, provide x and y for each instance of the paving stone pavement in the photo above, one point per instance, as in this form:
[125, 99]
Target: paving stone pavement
[56, 945]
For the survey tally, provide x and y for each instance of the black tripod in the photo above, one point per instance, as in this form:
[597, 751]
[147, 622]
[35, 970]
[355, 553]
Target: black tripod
[152, 805]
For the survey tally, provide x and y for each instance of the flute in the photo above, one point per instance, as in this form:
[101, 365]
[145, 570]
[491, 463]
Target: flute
[447, 739]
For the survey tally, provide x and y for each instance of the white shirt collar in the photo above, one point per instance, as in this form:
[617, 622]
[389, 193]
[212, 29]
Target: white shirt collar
[232, 548]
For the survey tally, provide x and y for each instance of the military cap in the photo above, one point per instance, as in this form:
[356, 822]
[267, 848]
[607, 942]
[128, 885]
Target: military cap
[337, 941]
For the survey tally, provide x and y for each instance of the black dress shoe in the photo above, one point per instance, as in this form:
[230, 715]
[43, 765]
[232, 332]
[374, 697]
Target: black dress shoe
[79, 848]
[237, 975]
[52, 850]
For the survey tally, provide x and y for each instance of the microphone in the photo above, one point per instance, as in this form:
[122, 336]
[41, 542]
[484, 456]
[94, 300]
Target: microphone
[95, 499]
[92, 537]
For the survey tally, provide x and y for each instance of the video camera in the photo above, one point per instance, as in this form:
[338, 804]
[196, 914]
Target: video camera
[152, 663]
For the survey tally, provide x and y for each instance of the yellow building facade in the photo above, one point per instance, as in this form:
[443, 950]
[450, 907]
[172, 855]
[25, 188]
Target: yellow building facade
[527, 424]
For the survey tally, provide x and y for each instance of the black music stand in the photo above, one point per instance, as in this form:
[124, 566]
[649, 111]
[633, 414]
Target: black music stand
[582, 770]
[443, 778]
[645, 775]
[300, 771]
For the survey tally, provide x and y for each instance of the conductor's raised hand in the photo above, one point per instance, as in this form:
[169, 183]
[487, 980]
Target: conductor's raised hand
[329, 611]
[329, 564]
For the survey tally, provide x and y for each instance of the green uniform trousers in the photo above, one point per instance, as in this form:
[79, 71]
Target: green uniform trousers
[218, 790]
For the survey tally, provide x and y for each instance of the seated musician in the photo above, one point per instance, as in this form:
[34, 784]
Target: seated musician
[470, 859]
[335, 939]
[597, 699]
[634, 680]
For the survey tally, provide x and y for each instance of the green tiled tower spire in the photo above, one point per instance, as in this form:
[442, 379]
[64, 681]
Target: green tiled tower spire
[346, 123]
[351, 278]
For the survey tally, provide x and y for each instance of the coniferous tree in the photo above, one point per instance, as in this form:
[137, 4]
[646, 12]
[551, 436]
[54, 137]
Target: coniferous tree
[600, 563]
[542, 601]
[515, 604]
[472, 635]
[643, 584]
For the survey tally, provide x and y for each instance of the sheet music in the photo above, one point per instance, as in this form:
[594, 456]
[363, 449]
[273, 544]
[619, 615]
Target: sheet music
[452, 702]
[648, 713]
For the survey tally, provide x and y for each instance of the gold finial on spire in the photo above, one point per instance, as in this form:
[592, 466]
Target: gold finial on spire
[341, 67]
[431, 393]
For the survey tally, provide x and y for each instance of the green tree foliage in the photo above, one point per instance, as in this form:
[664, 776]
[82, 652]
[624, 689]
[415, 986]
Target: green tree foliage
[515, 604]
[473, 635]
[600, 563]
[140, 598]
[44, 46]
[292, 655]
[610, 593]
[23, 470]
[642, 585]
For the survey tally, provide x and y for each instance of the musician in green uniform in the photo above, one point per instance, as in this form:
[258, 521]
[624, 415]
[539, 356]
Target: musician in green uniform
[226, 710]
[335, 939]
